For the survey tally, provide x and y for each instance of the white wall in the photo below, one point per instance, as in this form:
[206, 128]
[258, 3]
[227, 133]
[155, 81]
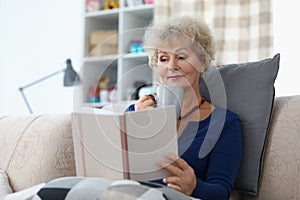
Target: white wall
[36, 37]
[287, 43]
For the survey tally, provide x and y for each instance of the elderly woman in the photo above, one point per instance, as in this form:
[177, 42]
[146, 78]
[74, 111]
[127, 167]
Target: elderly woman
[181, 50]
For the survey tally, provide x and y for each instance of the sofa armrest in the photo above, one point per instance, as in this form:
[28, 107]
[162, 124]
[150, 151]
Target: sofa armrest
[280, 175]
[36, 149]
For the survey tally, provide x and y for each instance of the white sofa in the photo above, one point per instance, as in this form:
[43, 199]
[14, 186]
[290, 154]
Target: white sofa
[35, 149]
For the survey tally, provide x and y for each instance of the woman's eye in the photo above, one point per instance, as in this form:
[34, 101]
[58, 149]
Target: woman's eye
[181, 57]
[163, 59]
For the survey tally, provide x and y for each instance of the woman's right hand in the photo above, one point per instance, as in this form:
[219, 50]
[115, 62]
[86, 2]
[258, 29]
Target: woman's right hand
[145, 102]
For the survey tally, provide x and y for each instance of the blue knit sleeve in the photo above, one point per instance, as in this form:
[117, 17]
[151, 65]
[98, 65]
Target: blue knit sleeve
[223, 163]
[130, 108]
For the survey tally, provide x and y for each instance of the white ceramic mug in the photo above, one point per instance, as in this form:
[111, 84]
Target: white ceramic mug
[170, 95]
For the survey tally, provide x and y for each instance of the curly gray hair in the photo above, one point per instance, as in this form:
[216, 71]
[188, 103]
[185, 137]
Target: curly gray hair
[193, 31]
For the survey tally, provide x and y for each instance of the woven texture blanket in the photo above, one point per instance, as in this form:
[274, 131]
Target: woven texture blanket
[79, 188]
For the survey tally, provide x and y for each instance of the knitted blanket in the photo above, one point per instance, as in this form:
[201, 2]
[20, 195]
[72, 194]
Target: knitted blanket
[80, 188]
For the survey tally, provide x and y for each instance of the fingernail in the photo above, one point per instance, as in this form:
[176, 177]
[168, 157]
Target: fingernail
[164, 180]
[170, 155]
[160, 162]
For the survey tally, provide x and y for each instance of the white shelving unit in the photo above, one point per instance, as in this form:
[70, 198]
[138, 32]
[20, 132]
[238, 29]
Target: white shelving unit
[123, 68]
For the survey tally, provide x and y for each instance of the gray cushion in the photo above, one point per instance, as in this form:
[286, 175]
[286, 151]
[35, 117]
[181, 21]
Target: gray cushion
[248, 90]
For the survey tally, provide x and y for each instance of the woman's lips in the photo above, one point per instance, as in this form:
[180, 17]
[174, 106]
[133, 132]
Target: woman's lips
[175, 77]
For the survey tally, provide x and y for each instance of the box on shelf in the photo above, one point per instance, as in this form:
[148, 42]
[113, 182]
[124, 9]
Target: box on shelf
[149, 1]
[103, 50]
[103, 42]
[93, 5]
[134, 2]
[111, 4]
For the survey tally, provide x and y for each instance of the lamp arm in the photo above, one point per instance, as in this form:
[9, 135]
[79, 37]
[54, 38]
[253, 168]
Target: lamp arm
[42, 79]
[33, 83]
[25, 100]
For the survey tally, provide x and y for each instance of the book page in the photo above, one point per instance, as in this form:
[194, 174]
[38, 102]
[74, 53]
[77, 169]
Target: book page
[98, 146]
[150, 135]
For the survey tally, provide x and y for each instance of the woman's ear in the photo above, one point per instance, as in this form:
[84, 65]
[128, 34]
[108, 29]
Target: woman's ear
[202, 68]
[201, 74]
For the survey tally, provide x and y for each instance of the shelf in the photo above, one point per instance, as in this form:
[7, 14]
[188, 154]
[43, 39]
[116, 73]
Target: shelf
[142, 12]
[96, 59]
[111, 14]
[100, 59]
[96, 105]
[122, 68]
[139, 9]
[136, 56]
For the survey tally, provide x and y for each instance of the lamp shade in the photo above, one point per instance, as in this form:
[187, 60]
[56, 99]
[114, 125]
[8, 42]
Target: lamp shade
[71, 78]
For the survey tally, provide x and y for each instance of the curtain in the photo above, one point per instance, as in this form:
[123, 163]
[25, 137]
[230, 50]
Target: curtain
[242, 28]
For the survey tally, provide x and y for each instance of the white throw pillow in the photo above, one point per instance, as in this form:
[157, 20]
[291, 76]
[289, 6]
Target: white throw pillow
[26, 194]
[4, 184]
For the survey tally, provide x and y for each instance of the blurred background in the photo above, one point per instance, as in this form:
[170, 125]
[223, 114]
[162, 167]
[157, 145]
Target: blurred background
[37, 36]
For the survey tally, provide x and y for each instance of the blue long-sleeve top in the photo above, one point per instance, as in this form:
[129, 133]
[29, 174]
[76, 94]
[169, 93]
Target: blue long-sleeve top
[213, 148]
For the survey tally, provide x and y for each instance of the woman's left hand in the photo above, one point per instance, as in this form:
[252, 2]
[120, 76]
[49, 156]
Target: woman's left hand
[183, 178]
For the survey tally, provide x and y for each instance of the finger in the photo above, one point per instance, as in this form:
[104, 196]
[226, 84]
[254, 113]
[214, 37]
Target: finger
[150, 101]
[172, 179]
[175, 187]
[143, 98]
[179, 161]
[144, 103]
[162, 163]
[152, 97]
[182, 164]
[148, 96]
[171, 168]
[172, 156]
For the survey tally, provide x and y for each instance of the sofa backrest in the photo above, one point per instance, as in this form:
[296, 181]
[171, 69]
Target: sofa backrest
[36, 149]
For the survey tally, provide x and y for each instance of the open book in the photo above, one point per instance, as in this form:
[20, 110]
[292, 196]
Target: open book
[123, 145]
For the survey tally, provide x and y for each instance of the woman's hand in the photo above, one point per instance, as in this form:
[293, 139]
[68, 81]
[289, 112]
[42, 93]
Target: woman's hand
[183, 178]
[145, 102]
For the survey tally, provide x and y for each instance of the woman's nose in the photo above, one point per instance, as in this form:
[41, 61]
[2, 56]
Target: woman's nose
[173, 64]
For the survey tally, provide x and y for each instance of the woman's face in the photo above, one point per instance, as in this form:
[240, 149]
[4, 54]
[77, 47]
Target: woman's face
[179, 65]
